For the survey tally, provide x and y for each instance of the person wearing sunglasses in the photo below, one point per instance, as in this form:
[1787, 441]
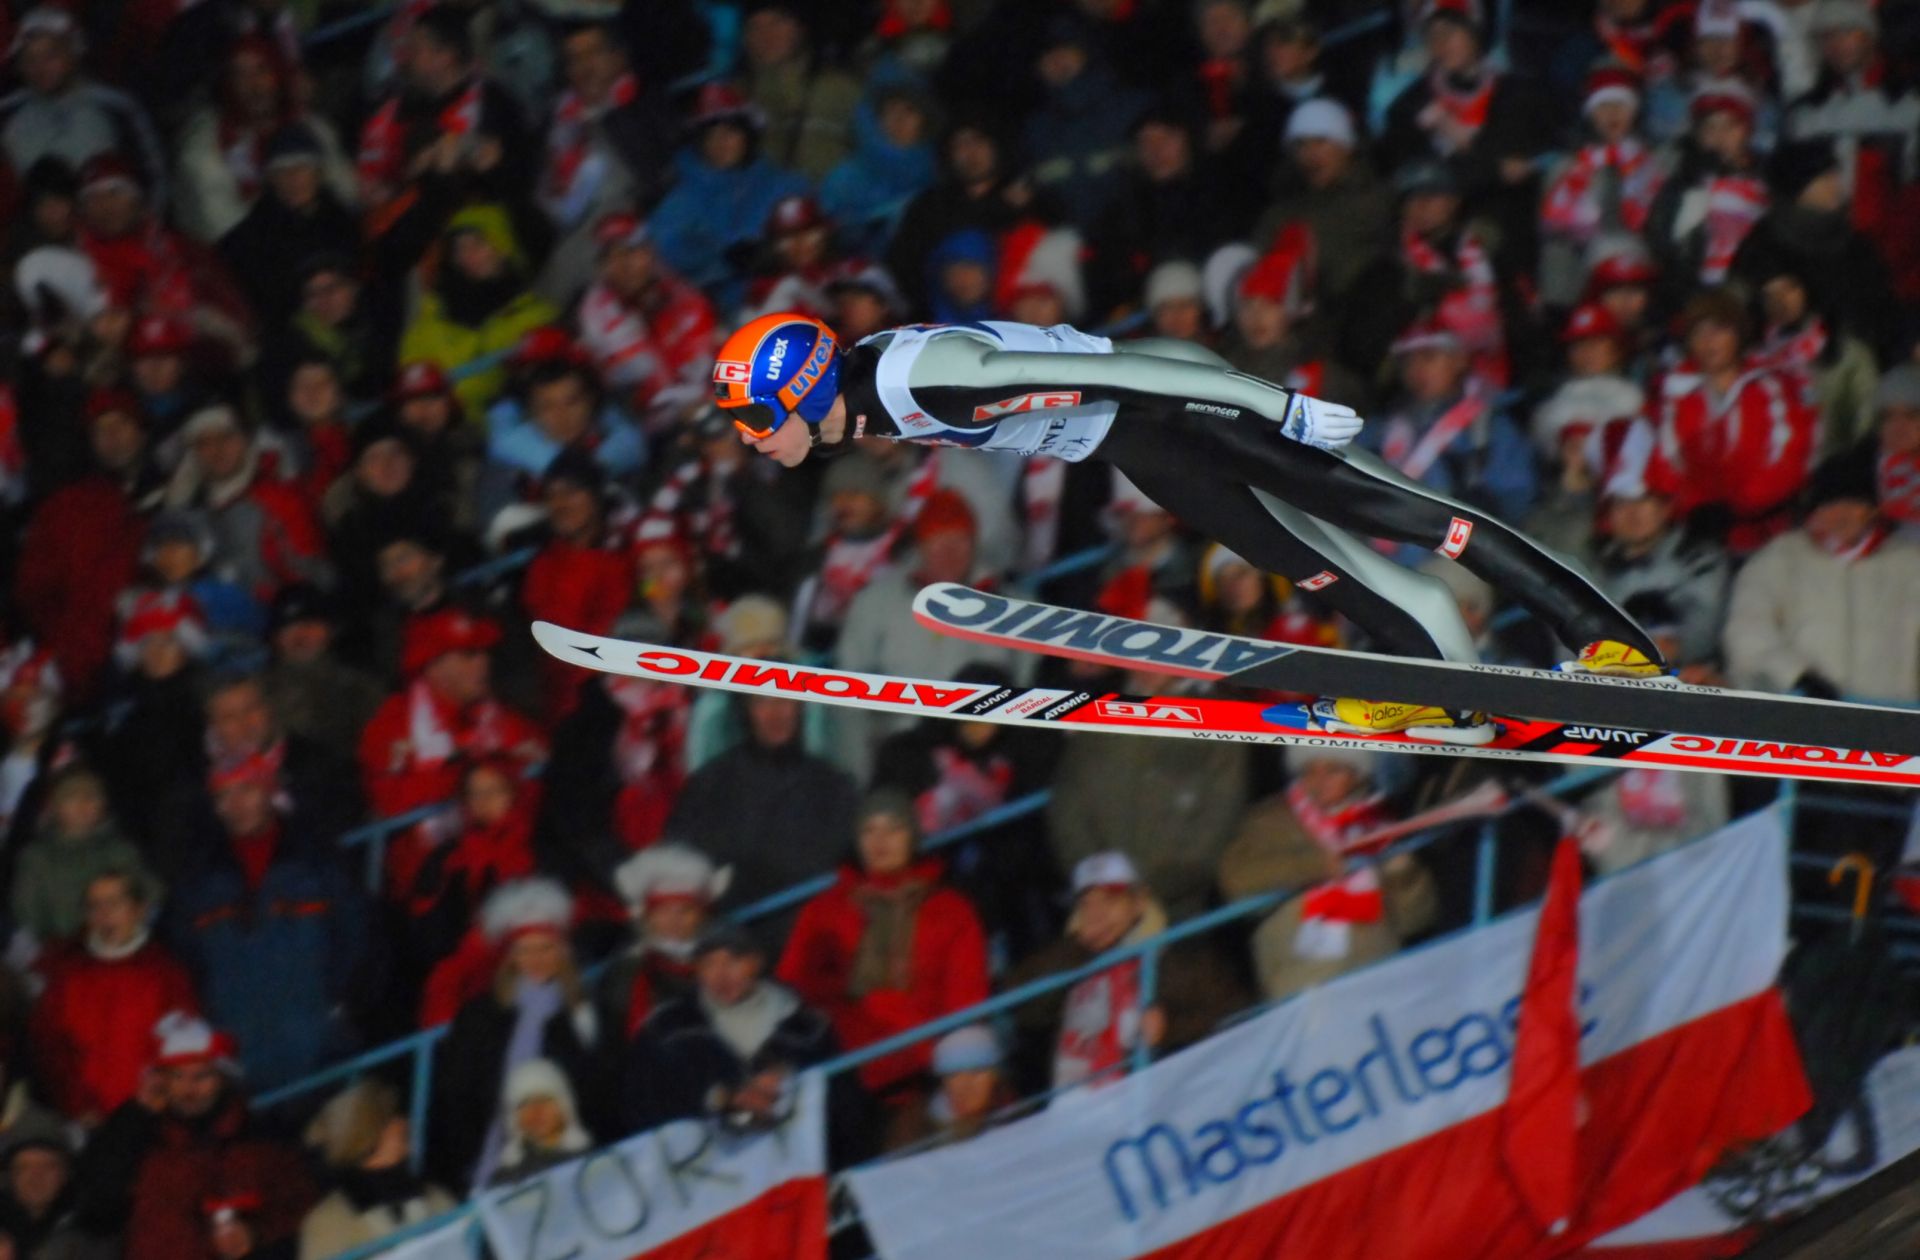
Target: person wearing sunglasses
[1265, 470]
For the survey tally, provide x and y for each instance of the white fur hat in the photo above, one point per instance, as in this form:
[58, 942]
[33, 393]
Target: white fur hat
[526, 905]
[670, 871]
[1226, 268]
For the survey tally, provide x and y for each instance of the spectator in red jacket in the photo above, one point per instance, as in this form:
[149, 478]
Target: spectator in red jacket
[581, 577]
[650, 333]
[887, 947]
[186, 1140]
[82, 546]
[265, 531]
[1729, 437]
[93, 1026]
[410, 754]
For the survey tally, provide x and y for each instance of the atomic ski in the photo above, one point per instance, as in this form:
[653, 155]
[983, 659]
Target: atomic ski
[1206, 717]
[1747, 721]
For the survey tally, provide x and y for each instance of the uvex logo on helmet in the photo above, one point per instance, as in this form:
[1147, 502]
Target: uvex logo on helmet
[777, 359]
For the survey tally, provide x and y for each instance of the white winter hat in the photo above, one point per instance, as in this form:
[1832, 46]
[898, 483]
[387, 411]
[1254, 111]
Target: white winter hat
[1226, 268]
[537, 1078]
[970, 1049]
[523, 906]
[670, 872]
[1112, 869]
[184, 1040]
[209, 420]
[1321, 119]
[1361, 761]
[67, 274]
[752, 623]
[1176, 281]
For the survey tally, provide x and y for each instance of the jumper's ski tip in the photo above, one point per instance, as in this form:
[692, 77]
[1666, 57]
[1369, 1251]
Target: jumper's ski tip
[567, 645]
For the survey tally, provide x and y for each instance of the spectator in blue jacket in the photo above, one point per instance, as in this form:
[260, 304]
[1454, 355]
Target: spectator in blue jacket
[1446, 435]
[892, 163]
[556, 403]
[1077, 139]
[272, 929]
[726, 189]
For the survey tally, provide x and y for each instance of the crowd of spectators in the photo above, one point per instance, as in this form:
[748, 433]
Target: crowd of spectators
[330, 364]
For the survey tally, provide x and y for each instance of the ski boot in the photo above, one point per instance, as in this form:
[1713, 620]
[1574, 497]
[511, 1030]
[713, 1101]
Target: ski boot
[1614, 659]
[1345, 715]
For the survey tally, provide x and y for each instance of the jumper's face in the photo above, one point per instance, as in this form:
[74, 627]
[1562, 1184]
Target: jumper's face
[787, 445]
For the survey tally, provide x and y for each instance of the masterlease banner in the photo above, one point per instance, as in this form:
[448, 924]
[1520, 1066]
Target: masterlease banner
[681, 1191]
[1362, 1118]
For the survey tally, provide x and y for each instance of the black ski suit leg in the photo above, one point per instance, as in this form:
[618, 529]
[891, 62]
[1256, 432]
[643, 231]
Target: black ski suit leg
[1363, 494]
[1174, 464]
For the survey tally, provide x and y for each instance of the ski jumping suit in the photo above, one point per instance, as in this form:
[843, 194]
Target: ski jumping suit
[1205, 443]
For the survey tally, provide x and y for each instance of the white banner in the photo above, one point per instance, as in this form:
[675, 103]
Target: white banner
[1339, 1075]
[457, 1240]
[646, 1194]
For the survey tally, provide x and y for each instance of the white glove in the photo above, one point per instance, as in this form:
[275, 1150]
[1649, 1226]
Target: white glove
[1316, 422]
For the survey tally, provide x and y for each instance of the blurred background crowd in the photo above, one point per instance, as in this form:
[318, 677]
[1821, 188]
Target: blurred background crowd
[340, 344]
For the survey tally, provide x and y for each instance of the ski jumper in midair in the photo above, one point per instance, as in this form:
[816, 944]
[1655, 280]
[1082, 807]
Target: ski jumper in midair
[1262, 469]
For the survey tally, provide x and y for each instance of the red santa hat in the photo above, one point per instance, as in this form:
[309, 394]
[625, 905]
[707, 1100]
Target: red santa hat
[549, 344]
[670, 872]
[1611, 81]
[1618, 258]
[526, 907]
[1723, 95]
[182, 1040]
[421, 379]
[1035, 257]
[25, 665]
[149, 612]
[1716, 19]
[434, 635]
[1426, 334]
[944, 511]
[1590, 319]
[159, 334]
[622, 229]
[1285, 273]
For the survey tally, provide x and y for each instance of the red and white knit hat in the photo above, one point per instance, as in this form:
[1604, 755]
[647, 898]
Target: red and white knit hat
[1611, 81]
[525, 907]
[146, 612]
[1035, 257]
[1285, 273]
[184, 1040]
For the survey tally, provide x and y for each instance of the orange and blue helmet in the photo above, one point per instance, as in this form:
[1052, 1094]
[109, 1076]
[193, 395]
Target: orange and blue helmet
[777, 366]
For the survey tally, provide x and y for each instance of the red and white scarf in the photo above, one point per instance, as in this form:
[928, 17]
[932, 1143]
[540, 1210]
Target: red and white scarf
[1734, 204]
[436, 734]
[1652, 800]
[1898, 476]
[1574, 205]
[1471, 308]
[1413, 452]
[1329, 911]
[570, 138]
[653, 728]
[1099, 1027]
[1793, 351]
[963, 790]
[1042, 483]
[383, 144]
[1455, 115]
